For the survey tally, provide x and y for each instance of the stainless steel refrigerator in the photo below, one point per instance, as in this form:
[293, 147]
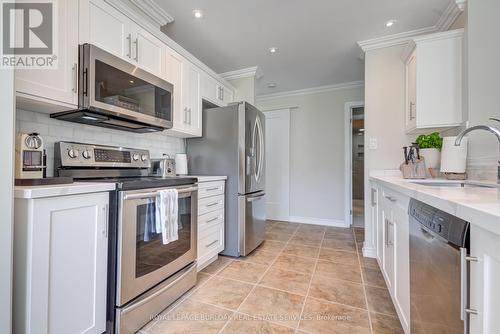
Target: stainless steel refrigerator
[233, 145]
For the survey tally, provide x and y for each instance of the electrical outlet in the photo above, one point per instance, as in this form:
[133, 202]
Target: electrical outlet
[373, 144]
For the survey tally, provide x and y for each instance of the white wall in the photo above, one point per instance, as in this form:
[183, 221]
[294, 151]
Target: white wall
[483, 28]
[6, 195]
[53, 130]
[384, 118]
[316, 153]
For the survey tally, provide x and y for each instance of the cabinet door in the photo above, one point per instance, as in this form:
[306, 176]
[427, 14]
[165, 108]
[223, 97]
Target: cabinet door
[411, 92]
[59, 84]
[484, 278]
[378, 222]
[209, 88]
[69, 264]
[194, 108]
[402, 265]
[388, 242]
[148, 51]
[174, 75]
[105, 27]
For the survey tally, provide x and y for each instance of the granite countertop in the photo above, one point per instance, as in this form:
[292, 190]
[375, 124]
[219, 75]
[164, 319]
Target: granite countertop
[478, 205]
[62, 189]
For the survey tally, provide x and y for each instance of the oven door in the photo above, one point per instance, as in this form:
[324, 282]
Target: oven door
[118, 88]
[143, 259]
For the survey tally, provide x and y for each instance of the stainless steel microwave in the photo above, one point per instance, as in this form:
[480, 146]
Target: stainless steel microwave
[116, 94]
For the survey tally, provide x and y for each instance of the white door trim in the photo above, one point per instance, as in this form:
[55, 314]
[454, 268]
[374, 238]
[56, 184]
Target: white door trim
[286, 177]
[348, 158]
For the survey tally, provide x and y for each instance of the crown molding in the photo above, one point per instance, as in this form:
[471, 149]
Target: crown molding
[393, 40]
[450, 14]
[243, 73]
[313, 90]
[153, 11]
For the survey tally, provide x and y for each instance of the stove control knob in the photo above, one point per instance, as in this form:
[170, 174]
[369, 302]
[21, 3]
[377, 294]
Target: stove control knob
[73, 153]
[135, 157]
[144, 157]
[86, 154]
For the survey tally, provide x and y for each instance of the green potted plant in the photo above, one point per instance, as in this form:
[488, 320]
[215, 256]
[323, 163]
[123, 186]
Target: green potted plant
[430, 148]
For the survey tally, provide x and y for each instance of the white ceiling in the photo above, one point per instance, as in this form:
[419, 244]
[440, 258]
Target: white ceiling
[316, 38]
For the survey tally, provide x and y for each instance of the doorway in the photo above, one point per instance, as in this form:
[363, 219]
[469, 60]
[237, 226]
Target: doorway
[277, 157]
[355, 163]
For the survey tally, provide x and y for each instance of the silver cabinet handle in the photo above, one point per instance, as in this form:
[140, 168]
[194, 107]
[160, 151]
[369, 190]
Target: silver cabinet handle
[471, 311]
[212, 204]
[129, 39]
[373, 192]
[154, 193]
[388, 241]
[213, 220]
[106, 222]
[75, 73]
[212, 243]
[185, 115]
[464, 288]
[212, 189]
[412, 104]
[189, 110]
[392, 199]
[136, 42]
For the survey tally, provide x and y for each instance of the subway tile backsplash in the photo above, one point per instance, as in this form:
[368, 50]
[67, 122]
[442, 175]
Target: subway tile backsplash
[52, 130]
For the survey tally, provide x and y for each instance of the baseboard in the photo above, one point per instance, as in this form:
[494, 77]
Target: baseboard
[369, 252]
[318, 221]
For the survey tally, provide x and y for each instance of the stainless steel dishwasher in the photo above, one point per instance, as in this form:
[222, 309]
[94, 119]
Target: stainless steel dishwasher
[439, 272]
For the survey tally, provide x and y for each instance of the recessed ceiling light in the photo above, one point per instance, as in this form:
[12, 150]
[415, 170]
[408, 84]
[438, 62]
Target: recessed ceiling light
[271, 85]
[273, 49]
[390, 23]
[197, 13]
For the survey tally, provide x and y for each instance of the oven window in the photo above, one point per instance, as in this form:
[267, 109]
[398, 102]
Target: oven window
[123, 90]
[151, 253]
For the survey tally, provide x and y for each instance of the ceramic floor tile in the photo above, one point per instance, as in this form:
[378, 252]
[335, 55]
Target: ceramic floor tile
[260, 257]
[301, 250]
[273, 305]
[339, 271]
[340, 236]
[244, 271]
[342, 292]
[339, 230]
[278, 236]
[339, 244]
[202, 278]
[379, 300]
[243, 324]
[284, 228]
[294, 263]
[217, 265]
[222, 292]
[272, 246]
[385, 324]
[338, 256]
[311, 228]
[373, 277]
[329, 318]
[192, 317]
[290, 281]
[313, 240]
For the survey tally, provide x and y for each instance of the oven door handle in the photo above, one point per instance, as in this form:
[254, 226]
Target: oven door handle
[154, 193]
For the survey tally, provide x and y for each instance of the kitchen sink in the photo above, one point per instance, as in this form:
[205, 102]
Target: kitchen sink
[453, 184]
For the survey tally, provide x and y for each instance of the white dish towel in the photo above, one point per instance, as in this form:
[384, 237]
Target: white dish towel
[167, 215]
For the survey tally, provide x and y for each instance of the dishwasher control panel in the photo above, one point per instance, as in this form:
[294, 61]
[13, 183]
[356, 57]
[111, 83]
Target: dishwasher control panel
[445, 225]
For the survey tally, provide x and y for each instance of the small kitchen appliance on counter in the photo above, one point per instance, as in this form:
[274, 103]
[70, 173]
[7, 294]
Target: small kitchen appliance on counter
[145, 275]
[29, 156]
[163, 167]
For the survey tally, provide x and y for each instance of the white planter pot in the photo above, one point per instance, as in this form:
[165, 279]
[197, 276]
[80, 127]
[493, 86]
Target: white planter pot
[432, 157]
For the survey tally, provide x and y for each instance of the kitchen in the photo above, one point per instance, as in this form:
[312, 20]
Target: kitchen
[212, 184]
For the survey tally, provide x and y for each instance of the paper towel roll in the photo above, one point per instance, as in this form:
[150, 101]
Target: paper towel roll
[181, 166]
[453, 158]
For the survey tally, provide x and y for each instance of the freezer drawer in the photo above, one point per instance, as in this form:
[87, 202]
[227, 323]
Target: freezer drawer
[252, 221]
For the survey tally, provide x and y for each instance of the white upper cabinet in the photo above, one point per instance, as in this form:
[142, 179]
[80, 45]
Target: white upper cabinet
[110, 30]
[105, 27]
[215, 92]
[56, 87]
[193, 103]
[433, 81]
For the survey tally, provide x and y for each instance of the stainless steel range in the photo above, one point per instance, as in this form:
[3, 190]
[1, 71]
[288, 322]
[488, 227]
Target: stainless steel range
[144, 275]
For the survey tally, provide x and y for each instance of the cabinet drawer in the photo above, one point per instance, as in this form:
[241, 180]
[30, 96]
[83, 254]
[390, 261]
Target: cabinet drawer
[210, 219]
[210, 204]
[208, 189]
[211, 241]
[396, 198]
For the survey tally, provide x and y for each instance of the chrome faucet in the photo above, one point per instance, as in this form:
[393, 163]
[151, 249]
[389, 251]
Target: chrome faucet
[493, 130]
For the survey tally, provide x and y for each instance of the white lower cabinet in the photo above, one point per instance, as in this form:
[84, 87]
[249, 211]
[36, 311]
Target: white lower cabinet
[60, 264]
[393, 248]
[484, 279]
[210, 221]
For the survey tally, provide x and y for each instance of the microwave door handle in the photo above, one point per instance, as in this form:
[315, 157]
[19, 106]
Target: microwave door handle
[154, 193]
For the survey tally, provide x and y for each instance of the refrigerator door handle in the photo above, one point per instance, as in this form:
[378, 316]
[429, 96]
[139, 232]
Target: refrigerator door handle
[260, 158]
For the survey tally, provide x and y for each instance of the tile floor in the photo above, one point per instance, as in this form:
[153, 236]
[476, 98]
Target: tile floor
[303, 279]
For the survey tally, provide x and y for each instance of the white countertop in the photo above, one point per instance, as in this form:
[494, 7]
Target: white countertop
[478, 205]
[62, 189]
[208, 178]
